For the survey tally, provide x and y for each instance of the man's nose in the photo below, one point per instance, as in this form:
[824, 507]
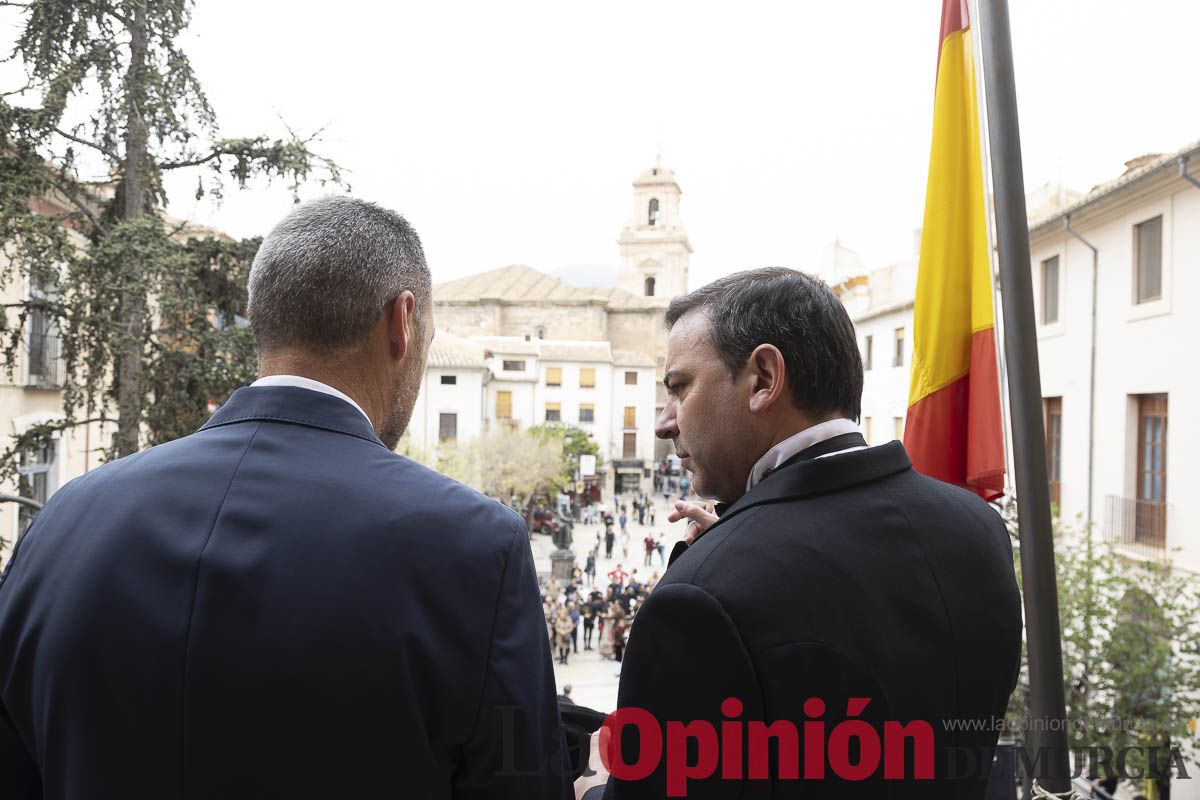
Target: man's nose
[666, 428]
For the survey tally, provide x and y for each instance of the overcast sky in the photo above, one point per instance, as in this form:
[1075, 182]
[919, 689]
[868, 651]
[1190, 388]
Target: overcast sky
[509, 132]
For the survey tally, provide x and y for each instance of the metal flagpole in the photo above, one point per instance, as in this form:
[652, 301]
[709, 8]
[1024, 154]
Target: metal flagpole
[990, 211]
[1043, 641]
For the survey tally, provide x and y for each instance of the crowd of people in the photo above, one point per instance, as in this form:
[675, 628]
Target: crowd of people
[617, 531]
[604, 611]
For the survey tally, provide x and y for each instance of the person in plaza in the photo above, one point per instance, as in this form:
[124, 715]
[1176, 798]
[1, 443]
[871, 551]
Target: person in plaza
[828, 569]
[563, 630]
[619, 626]
[625, 544]
[660, 545]
[609, 538]
[648, 545]
[573, 613]
[259, 609]
[617, 577]
[624, 518]
[589, 612]
[589, 567]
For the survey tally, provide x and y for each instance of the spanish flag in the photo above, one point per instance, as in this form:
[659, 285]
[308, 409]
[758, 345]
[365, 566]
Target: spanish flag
[954, 430]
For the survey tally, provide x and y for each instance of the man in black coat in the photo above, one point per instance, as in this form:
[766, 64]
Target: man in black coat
[834, 586]
[261, 609]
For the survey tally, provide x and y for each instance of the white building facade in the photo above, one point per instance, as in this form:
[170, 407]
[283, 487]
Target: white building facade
[474, 384]
[1119, 437]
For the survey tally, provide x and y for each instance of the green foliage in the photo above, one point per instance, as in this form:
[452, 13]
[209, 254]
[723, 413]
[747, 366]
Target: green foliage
[1131, 645]
[149, 315]
[574, 443]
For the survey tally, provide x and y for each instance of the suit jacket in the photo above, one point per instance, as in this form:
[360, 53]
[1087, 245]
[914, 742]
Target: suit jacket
[276, 606]
[837, 578]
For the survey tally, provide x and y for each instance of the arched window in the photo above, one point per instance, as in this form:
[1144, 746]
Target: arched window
[649, 286]
[541, 332]
[654, 211]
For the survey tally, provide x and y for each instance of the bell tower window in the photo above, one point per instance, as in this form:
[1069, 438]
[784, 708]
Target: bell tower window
[654, 211]
[649, 286]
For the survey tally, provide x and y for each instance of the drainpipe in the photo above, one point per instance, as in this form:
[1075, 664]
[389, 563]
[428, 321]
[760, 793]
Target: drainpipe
[1183, 173]
[1091, 370]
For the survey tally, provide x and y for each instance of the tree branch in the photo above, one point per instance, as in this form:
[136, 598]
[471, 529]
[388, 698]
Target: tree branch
[79, 205]
[102, 150]
[195, 162]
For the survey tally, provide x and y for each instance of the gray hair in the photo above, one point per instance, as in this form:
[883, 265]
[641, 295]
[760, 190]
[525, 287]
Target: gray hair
[322, 277]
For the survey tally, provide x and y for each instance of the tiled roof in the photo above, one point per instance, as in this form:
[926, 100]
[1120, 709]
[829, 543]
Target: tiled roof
[448, 350]
[507, 345]
[519, 283]
[557, 350]
[1146, 167]
[632, 358]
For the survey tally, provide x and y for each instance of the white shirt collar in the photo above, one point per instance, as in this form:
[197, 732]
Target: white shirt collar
[301, 382]
[803, 440]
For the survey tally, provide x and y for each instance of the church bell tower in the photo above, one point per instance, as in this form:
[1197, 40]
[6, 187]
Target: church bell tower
[654, 243]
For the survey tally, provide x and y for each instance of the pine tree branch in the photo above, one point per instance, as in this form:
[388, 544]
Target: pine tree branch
[195, 162]
[80, 206]
[98, 148]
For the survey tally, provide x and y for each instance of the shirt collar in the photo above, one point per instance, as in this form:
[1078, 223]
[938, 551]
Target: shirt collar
[792, 445]
[301, 382]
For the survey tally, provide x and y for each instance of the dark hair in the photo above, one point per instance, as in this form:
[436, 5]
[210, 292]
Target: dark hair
[798, 314]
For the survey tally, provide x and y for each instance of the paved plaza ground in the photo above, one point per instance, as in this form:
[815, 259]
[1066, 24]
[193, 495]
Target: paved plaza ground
[593, 679]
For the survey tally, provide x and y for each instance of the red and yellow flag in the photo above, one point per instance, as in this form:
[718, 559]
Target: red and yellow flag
[954, 430]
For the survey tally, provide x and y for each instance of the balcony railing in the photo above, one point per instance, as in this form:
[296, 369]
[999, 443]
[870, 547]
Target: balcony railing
[44, 357]
[1138, 525]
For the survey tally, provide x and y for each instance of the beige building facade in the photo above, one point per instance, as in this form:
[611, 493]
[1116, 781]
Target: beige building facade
[520, 303]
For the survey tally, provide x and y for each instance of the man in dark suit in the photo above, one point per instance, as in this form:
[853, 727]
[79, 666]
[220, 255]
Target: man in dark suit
[259, 610]
[831, 572]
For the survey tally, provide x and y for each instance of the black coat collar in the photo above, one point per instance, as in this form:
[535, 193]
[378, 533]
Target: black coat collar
[803, 475]
[295, 405]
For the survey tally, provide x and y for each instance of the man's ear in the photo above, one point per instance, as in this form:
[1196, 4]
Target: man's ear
[401, 325]
[768, 376]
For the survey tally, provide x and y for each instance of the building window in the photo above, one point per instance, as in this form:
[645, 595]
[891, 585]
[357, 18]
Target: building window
[447, 427]
[1053, 414]
[630, 378]
[587, 412]
[898, 355]
[630, 416]
[653, 216]
[587, 378]
[1151, 525]
[554, 376]
[629, 449]
[1147, 243]
[868, 347]
[898, 428]
[43, 351]
[33, 479]
[503, 405]
[1050, 291]
[449, 380]
[867, 429]
[649, 286]
[541, 332]
[514, 366]
[553, 412]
